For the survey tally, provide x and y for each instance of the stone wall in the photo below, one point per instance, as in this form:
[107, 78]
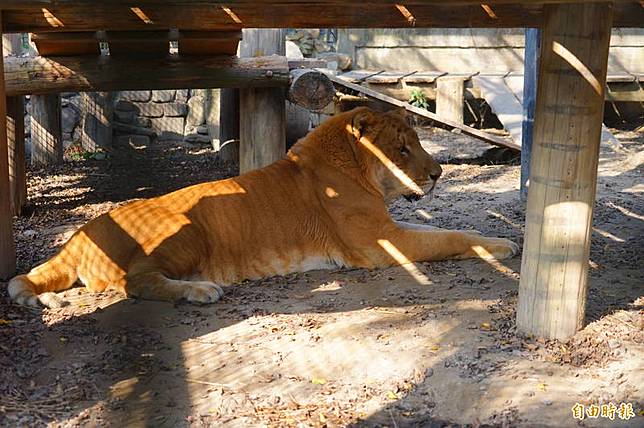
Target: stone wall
[164, 115]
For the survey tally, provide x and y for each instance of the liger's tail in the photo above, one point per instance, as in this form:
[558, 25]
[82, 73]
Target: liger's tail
[38, 286]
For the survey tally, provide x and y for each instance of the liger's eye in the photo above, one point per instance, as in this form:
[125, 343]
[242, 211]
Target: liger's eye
[404, 150]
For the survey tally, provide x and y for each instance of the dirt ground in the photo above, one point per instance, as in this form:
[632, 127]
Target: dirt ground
[336, 348]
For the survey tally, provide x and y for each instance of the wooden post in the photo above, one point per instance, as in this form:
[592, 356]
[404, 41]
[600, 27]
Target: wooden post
[46, 134]
[97, 109]
[12, 46]
[563, 172]
[7, 245]
[262, 111]
[16, 146]
[450, 98]
[530, 67]
[229, 122]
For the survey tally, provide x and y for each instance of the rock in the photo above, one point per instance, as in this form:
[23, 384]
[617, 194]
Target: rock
[293, 51]
[169, 128]
[196, 112]
[27, 125]
[76, 136]
[343, 60]
[197, 138]
[136, 141]
[144, 122]
[229, 151]
[182, 95]
[75, 101]
[150, 109]
[124, 116]
[202, 129]
[175, 109]
[124, 128]
[124, 106]
[163, 96]
[139, 96]
[69, 119]
[201, 93]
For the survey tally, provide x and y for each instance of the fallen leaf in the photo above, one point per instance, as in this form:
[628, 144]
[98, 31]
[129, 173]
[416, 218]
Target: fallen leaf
[318, 381]
[322, 418]
[392, 395]
[542, 386]
[4, 321]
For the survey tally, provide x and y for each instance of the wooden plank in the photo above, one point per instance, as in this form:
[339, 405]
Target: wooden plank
[503, 102]
[483, 136]
[46, 133]
[16, 147]
[7, 245]
[262, 111]
[450, 98]
[563, 172]
[198, 15]
[39, 75]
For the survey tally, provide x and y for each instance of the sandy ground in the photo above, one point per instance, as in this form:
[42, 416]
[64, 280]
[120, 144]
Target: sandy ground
[349, 347]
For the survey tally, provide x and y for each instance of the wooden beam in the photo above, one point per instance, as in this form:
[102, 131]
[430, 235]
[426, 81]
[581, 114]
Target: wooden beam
[39, 75]
[563, 172]
[262, 111]
[343, 85]
[89, 15]
[16, 146]
[46, 133]
[7, 245]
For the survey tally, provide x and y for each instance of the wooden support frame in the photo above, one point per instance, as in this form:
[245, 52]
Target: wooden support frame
[563, 171]
[7, 245]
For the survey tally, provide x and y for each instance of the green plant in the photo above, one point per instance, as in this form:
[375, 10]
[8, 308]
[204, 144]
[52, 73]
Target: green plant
[418, 99]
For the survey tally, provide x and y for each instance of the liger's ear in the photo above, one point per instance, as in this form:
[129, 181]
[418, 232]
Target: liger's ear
[360, 121]
[400, 111]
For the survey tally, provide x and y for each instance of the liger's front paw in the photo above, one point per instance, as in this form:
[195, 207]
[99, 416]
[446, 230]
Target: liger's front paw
[203, 292]
[496, 248]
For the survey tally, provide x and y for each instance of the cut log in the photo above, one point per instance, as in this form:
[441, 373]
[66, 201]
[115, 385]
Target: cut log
[563, 171]
[310, 89]
[16, 145]
[46, 134]
[97, 109]
[39, 75]
[7, 245]
[343, 85]
[262, 111]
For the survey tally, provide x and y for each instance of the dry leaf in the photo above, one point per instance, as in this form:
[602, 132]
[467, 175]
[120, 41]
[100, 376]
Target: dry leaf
[318, 381]
[392, 395]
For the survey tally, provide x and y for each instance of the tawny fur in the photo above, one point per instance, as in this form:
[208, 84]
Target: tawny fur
[322, 206]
